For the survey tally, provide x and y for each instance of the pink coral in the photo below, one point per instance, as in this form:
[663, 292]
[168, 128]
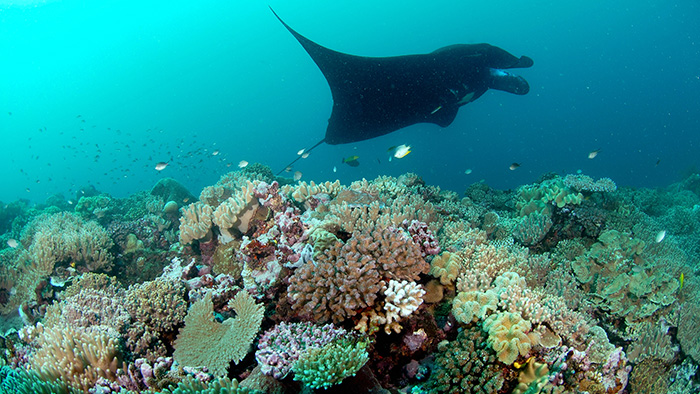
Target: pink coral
[281, 346]
[422, 236]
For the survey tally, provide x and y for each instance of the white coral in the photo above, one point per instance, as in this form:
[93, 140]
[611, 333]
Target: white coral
[402, 298]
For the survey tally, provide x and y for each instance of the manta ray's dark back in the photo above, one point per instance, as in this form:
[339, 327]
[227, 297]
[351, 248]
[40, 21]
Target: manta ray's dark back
[373, 96]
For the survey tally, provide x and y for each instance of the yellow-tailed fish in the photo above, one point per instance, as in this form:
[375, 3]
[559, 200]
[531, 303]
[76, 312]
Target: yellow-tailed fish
[352, 161]
[242, 164]
[592, 154]
[402, 151]
[161, 166]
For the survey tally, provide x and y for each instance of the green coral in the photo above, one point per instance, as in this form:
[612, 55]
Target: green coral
[217, 386]
[19, 381]
[328, 365]
[543, 196]
[466, 365]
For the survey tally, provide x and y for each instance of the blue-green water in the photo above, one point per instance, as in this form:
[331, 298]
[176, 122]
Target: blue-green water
[99, 92]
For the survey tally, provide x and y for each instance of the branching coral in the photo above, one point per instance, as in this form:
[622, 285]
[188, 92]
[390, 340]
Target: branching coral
[204, 342]
[466, 365]
[281, 346]
[349, 277]
[323, 367]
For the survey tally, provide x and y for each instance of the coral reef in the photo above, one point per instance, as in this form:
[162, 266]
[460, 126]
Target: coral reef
[567, 285]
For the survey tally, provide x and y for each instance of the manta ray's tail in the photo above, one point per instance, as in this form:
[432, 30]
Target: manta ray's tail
[304, 154]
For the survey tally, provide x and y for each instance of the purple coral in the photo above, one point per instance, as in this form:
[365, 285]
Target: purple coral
[422, 236]
[281, 346]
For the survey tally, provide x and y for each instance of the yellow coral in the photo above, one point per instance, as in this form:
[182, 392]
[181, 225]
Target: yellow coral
[195, 222]
[76, 357]
[236, 212]
[445, 267]
[509, 335]
[468, 306]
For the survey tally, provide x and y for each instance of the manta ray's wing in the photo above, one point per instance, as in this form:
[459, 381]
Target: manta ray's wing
[374, 96]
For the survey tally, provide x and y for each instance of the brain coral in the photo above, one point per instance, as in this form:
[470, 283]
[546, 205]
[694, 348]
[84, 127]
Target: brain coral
[510, 336]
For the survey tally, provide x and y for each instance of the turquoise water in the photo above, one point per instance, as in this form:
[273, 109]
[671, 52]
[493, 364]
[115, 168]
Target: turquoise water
[99, 92]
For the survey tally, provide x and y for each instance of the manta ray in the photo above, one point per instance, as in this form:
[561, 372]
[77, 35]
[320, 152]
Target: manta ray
[373, 96]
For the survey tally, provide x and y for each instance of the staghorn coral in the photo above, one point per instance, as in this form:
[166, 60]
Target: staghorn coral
[204, 342]
[195, 223]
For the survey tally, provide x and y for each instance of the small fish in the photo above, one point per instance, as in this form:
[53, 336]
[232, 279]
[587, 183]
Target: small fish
[288, 169]
[161, 166]
[468, 171]
[660, 236]
[514, 166]
[681, 279]
[242, 164]
[401, 151]
[305, 155]
[436, 109]
[658, 161]
[297, 175]
[301, 152]
[215, 153]
[335, 169]
[592, 154]
[352, 161]
[12, 243]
